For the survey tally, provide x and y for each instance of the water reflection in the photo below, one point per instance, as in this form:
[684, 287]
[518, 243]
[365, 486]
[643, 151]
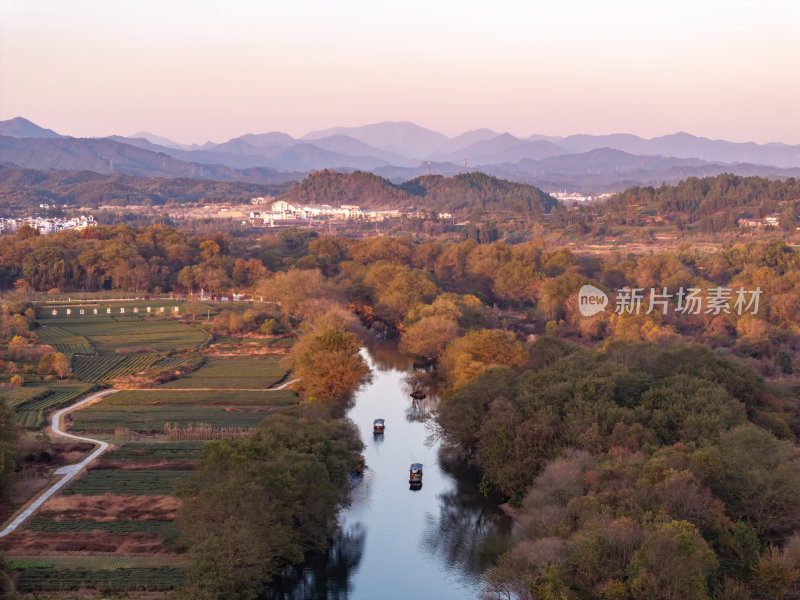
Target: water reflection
[324, 575]
[470, 531]
[401, 541]
[383, 356]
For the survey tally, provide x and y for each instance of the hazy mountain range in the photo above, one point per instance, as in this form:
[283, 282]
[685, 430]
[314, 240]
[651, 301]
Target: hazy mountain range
[401, 151]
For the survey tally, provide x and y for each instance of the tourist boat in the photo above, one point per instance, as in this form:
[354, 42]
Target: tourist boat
[378, 425]
[415, 474]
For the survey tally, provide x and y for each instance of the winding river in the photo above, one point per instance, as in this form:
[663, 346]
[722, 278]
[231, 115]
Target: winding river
[435, 542]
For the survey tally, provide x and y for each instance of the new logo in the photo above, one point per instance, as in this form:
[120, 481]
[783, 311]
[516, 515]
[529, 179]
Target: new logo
[591, 300]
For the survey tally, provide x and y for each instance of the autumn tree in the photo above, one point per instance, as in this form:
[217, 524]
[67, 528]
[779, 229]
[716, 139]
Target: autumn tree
[468, 356]
[429, 336]
[327, 363]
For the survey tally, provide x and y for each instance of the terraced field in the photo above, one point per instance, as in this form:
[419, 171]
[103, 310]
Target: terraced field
[32, 413]
[111, 366]
[250, 372]
[141, 482]
[16, 396]
[121, 579]
[155, 450]
[105, 367]
[149, 410]
[46, 525]
[63, 340]
[134, 333]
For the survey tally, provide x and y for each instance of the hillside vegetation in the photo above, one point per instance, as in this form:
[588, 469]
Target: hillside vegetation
[30, 187]
[461, 194]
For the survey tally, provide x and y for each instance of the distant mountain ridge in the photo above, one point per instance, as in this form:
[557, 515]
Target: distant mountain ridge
[21, 127]
[104, 155]
[401, 151]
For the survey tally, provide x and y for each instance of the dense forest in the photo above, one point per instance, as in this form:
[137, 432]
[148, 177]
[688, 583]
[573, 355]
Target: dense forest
[462, 194]
[533, 282]
[638, 473]
[359, 188]
[711, 204]
[476, 192]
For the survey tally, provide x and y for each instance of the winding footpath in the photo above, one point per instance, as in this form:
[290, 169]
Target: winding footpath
[69, 471]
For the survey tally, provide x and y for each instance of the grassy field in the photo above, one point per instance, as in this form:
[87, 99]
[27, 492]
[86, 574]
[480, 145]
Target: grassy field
[223, 372]
[149, 411]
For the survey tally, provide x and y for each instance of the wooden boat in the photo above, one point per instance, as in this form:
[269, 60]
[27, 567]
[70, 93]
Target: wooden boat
[415, 474]
[378, 425]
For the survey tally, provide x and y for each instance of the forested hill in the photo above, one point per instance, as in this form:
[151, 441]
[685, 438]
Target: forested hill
[461, 194]
[29, 187]
[478, 192]
[360, 188]
[723, 199]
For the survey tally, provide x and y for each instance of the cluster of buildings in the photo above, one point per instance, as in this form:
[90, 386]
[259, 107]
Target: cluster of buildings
[771, 220]
[576, 198]
[47, 226]
[282, 214]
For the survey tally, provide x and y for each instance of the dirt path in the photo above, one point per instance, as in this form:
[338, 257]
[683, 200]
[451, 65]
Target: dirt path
[69, 471]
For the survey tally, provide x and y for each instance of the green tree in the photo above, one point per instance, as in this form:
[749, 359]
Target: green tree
[760, 480]
[674, 563]
[254, 505]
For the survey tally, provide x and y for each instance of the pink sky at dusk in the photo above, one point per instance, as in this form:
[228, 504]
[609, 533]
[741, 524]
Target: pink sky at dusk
[198, 71]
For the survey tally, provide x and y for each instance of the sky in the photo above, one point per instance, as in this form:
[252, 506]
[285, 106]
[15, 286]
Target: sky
[198, 70]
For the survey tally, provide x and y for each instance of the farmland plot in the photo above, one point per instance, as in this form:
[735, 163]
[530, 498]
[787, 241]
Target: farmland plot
[156, 335]
[63, 340]
[249, 372]
[156, 450]
[46, 525]
[111, 366]
[32, 413]
[142, 482]
[121, 579]
[148, 411]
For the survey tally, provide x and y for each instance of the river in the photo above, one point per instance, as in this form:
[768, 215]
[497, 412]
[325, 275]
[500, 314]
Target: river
[394, 542]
